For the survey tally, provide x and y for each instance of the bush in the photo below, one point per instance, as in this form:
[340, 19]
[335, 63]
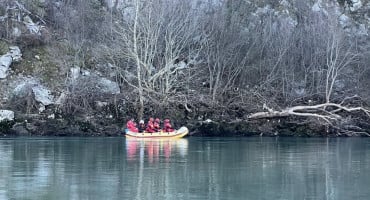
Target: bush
[6, 125]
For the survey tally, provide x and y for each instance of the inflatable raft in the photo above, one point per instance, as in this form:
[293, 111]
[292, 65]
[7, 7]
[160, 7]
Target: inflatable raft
[181, 132]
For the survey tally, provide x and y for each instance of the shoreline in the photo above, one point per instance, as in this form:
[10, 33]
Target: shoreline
[243, 128]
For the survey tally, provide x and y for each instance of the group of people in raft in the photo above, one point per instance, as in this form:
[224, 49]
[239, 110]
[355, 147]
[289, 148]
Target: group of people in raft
[151, 127]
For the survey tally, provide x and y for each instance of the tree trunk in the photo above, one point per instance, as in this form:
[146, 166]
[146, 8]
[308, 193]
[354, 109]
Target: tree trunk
[138, 65]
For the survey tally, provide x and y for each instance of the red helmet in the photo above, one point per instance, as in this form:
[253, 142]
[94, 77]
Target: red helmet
[157, 120]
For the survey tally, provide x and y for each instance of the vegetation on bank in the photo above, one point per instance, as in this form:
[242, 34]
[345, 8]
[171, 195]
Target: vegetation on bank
[245, 66]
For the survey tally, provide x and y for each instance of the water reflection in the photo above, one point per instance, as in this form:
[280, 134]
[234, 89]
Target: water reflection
[194, 168]
[154, 149]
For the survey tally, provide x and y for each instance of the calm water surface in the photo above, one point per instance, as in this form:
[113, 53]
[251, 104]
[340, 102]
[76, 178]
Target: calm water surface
[192, 168]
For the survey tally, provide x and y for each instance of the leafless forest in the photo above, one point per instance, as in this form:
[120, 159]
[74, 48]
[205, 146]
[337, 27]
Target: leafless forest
[227, 61]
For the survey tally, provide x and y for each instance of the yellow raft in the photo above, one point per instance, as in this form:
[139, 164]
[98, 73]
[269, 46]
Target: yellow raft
[175, 134]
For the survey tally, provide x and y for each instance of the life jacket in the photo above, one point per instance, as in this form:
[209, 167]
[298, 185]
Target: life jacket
[168, 127]
[156, 126]
[129, 124]
[132, 126]
[150, 127]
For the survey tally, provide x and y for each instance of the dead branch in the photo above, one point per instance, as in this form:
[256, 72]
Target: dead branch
[321, 111]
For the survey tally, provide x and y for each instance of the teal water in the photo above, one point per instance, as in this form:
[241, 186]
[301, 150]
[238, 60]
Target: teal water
[190, 168]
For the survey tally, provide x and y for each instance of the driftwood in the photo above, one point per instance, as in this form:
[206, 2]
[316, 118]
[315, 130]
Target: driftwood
[326, 111]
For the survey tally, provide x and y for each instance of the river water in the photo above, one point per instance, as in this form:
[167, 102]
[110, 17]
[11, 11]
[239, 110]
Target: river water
[190, 168]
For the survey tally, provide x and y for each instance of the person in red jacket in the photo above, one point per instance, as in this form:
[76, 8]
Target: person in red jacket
[157, 126]
[167, 126]
[150, 126]
[131, 125]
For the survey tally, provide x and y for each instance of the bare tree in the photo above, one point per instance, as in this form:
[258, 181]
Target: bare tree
[157, 37]
[326, 60]
[340, 54]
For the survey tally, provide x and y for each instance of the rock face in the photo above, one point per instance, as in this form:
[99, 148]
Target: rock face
[104, 85]
[15, 53]
[6, 60]
[19, 129]
[75, 73]
[108, 86]
[32, 27]
[356, 5]
[41, 93]
[6, 115]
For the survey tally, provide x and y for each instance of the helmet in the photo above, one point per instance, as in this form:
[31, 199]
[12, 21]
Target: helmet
[141, 122]
[157, 120]
[151, 119]
[166, 120]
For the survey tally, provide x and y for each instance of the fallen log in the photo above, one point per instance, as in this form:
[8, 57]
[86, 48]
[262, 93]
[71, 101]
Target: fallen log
[326, 111]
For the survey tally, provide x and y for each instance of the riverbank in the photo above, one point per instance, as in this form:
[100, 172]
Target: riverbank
[34, 125]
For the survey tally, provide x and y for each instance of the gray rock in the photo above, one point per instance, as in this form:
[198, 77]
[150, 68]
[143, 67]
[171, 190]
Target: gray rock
[85, 73]
[32, 27]
[19, 129]
[356, 5]
[108, 86]
[15, 53]
[101, 104]
[23, 85]
[6, 60]
[75, 73]
[43, 95]
[105, 85]
[6, 115]
[31, 127]
[16, 32]
[344, 21]
[52, 116]
[41, 108]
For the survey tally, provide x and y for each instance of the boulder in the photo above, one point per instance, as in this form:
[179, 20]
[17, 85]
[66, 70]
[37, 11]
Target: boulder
[23, 85]
[108, 86]
[356, 5]
[75, 73]
[5, 62]
[6, 115]
[19, 129]
[42, 94]
[344, 21]
[14, 54]
[32, 27]
[16, 32]
[103, 84]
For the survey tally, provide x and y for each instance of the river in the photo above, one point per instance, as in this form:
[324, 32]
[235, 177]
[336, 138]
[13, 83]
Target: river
[191, 168]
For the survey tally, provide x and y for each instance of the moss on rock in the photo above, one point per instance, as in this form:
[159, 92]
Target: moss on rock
[4, 47]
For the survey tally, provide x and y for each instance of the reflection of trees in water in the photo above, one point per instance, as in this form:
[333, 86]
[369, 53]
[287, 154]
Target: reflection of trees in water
[275, 168]
[154, 149]
[58, 168]
[153, 163]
